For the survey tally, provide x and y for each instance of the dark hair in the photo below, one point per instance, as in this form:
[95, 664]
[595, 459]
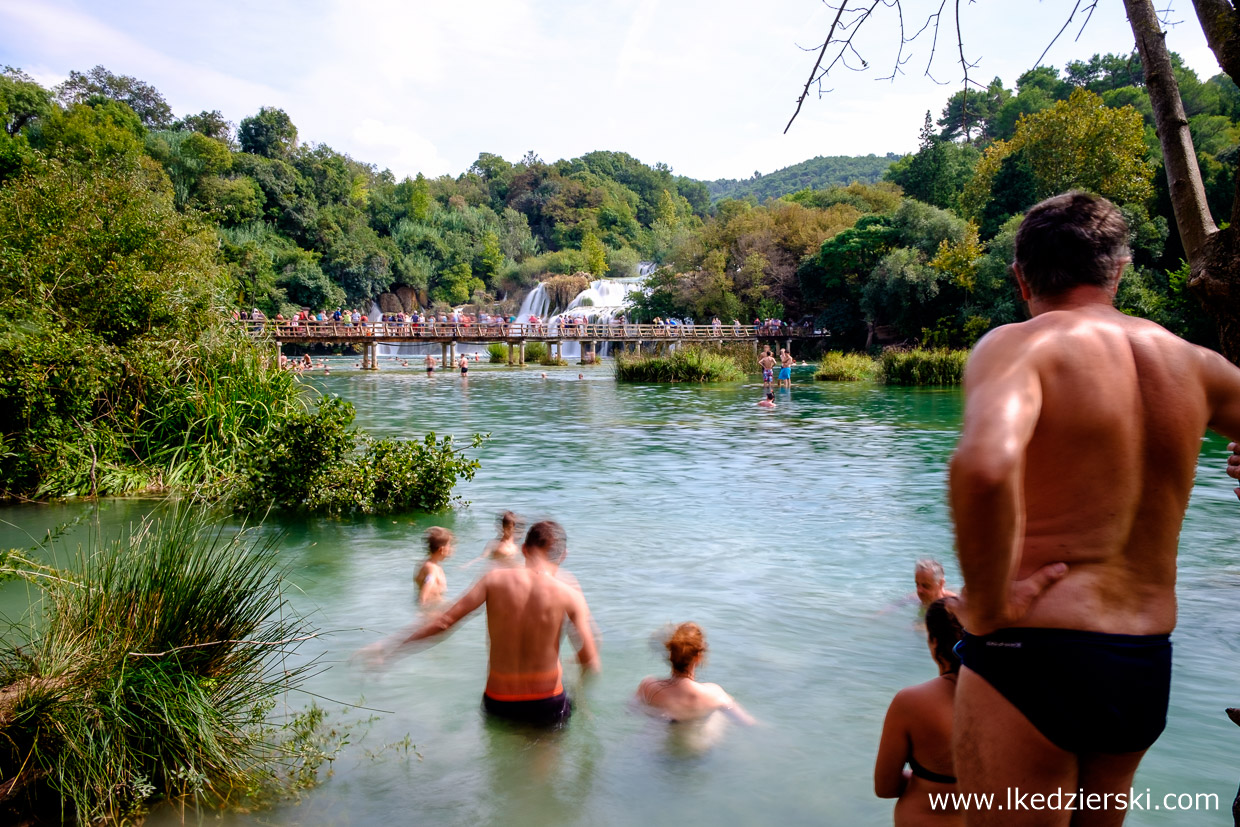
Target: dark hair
[684, 646]
[943, 630]
[509, 521]
[1071, 239]
[437, 538]
[548, 537]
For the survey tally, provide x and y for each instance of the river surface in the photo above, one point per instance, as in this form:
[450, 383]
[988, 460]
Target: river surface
[789, 535]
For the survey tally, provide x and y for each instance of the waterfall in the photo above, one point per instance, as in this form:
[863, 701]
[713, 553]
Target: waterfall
[602, 301]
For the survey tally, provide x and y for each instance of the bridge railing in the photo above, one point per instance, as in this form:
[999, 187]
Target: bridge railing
[493, 331]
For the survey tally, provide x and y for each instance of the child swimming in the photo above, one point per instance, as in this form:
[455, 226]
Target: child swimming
[430, 579]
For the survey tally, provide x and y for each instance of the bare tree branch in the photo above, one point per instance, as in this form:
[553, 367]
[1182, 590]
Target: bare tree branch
[814, 71]
[1066, 24]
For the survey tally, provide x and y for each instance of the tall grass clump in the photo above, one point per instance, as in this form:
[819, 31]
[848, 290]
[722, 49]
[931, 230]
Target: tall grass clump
[152, 670]
[837, 366]
[498, 353]
[535, 351]
[685, 364]
[923, 367]
[743, 354]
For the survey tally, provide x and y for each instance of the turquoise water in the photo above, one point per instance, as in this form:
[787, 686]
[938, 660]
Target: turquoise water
[789, 535]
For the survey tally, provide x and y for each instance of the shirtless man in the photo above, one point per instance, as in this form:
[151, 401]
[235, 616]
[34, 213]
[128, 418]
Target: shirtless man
[785, 368]
[767, 363]
[1081, 433]
[526, 608]
[430, 364]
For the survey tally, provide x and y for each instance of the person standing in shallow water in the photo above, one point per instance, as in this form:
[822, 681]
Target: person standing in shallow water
[1082, 428]
[918, 732]
[681, 697]
[526, 608]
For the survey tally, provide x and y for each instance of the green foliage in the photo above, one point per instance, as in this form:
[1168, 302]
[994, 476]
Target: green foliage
[101, 85]
[535, 351]
[938, 172]
[270, 133]
[497, 352]
[153, 666]
[317, 462]
[838, 366]
[922, 367]
[684, 364]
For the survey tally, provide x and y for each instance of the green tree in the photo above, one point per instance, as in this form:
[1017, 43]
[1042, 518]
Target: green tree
[596, 255]
[100, 84]
[270, 133]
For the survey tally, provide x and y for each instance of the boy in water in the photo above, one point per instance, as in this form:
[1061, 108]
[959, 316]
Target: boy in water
[503, 550]
[768, 402]
[767, 363]
[430, 579]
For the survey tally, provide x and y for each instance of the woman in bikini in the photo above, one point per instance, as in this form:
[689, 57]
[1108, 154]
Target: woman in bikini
[918, 732]
[681, 697]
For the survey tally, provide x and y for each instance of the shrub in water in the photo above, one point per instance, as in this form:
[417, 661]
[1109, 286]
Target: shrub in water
[837, 366]
[498, 352]
[535, 351]
[151, 672]
[686, 364]
[318, 462]
[923, 367]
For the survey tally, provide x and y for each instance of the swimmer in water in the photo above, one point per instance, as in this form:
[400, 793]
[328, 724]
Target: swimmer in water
[681, 697]
[918, 728]
[931, 581]
[430, 579]
[504, 549]
[544, 375]
[768, 402]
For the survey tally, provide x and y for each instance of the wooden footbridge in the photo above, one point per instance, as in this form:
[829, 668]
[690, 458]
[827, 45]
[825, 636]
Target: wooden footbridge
[447, 335]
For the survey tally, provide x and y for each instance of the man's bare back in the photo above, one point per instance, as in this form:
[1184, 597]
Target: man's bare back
[1114, 408]
[1068, 488]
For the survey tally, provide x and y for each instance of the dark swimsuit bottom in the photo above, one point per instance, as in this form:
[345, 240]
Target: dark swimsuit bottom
[1085, 691]
[929, 775]
[542, 712]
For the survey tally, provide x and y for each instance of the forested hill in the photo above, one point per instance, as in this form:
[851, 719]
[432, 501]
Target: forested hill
[816, 173]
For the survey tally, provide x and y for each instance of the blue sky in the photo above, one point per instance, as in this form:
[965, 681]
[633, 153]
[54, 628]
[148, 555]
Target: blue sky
[416, 86]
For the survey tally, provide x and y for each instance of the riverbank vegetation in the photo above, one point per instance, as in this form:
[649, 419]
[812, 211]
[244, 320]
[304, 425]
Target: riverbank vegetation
[684, 364]
[939, 366]
[151, 674]
[837, 366]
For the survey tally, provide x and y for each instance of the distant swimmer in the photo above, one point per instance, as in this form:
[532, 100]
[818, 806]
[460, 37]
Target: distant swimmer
[918, 731]
[544, 374]
[430, 364]
[526, 608]
[503, 549]
[930, 580]
[430, 579]
[681, 697]
[768, 402]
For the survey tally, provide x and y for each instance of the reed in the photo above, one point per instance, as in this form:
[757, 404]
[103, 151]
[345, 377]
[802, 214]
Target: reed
[923, 367]
[685, 364]
[151, 675]
[837, 366]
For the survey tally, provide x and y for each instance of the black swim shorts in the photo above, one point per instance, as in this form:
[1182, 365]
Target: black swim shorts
[1085, 691]
[543, 712]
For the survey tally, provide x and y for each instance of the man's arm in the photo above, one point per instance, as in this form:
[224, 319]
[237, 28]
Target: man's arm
[1003, 400]
[579, 615]
[1222, 380]
[459, 610]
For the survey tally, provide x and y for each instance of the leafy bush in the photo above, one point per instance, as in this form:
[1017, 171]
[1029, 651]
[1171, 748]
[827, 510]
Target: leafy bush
[150, 675]
[535, 351]
[318, 462]
[498, 352]
[922, 367]
[685, 364]
[837, 366]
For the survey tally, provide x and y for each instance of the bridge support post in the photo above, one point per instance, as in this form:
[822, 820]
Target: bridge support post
[443, 355]
[452, 353]
[521, 353]
[788, 346]
[755, 346]
[511, 356]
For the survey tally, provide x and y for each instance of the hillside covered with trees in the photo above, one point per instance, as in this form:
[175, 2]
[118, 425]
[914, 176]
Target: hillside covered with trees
[816, 173]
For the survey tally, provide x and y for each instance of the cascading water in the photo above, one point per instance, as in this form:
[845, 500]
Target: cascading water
[602, 301]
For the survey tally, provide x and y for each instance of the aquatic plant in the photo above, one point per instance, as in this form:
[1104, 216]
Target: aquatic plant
[837, 366]
[552, 361]
[742, 353]
[922, 367]
[151, 674]
[535, 351]
[317, 462]
[685, 364]
[498, 352]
